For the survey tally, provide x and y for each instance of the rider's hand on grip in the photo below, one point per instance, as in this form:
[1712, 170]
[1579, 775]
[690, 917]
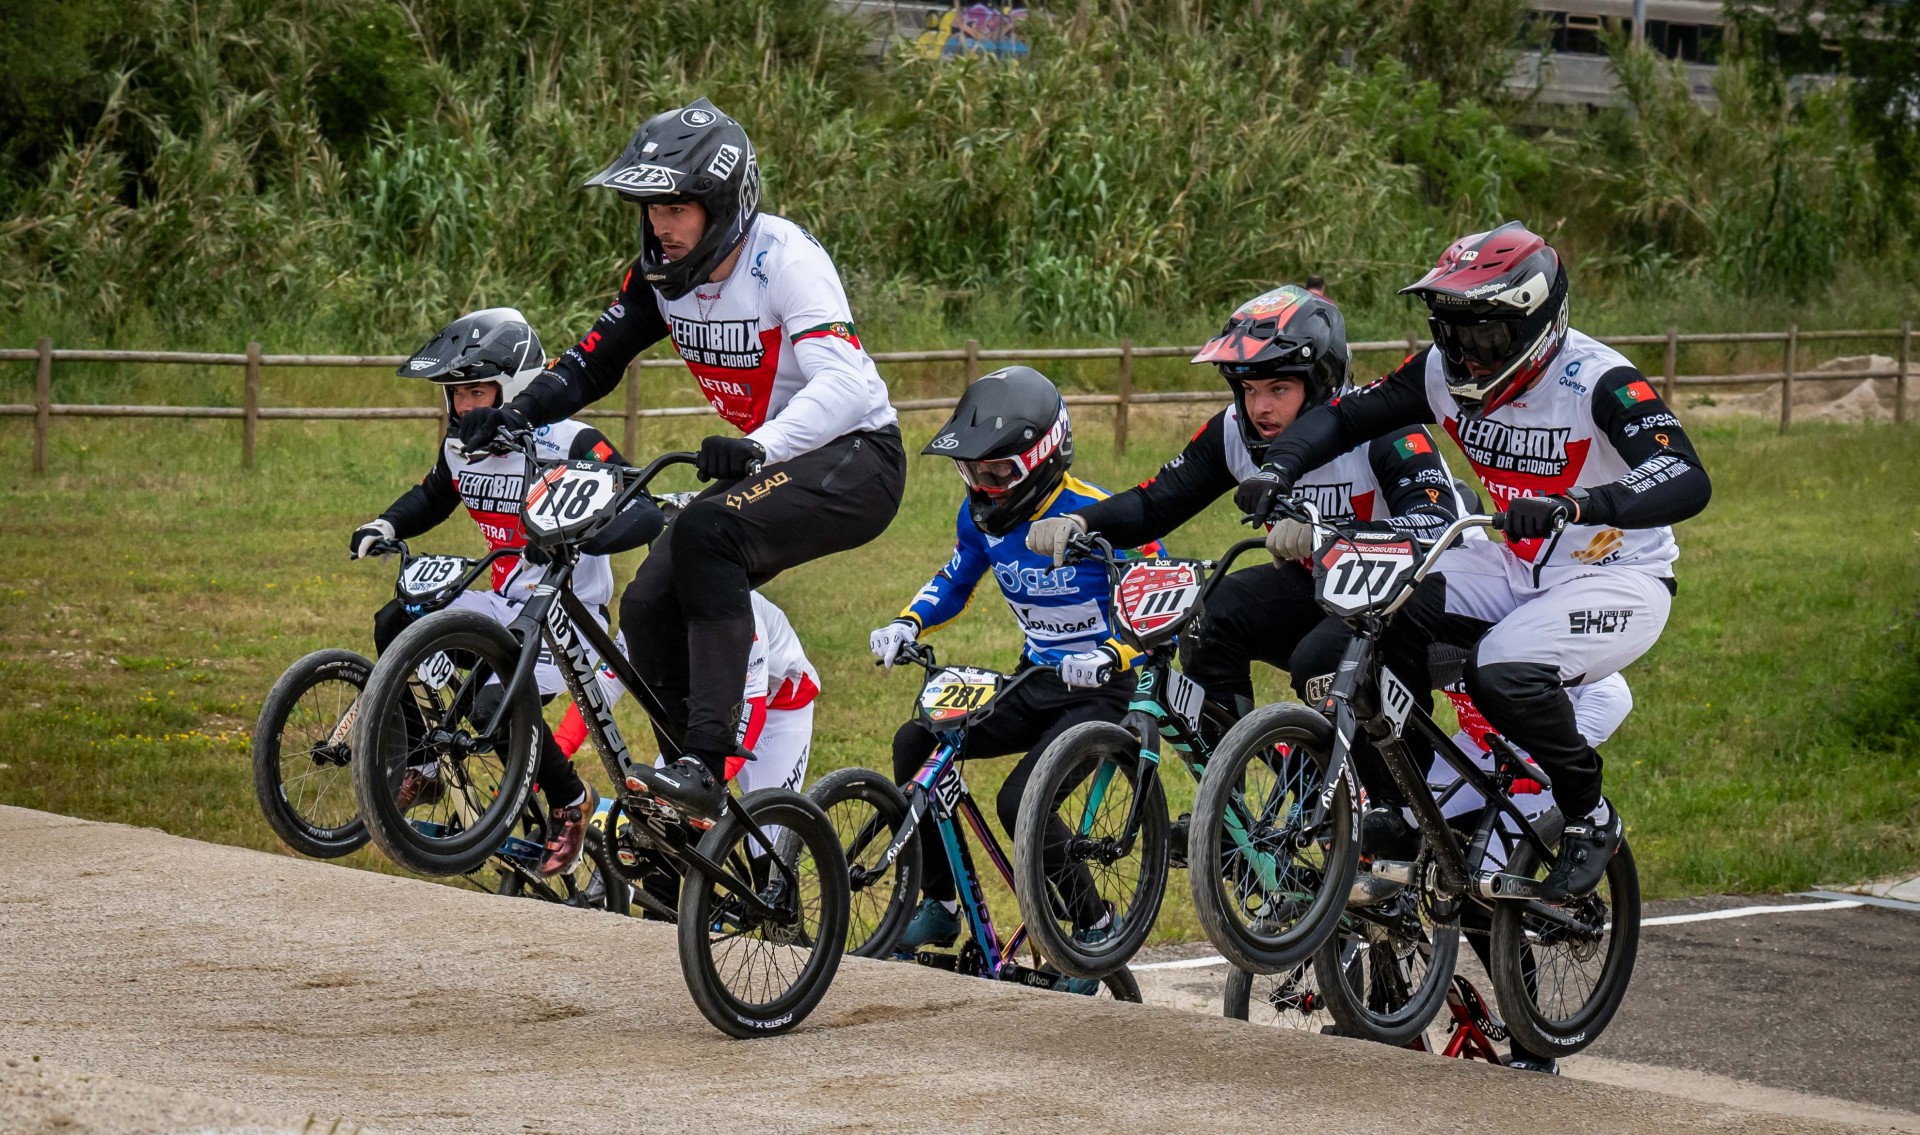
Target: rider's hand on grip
[1536, 518]
[1256, 495]
[728, 458]
[1089, 669]
[479, 428]
[367, 538]
[1053, 536]
[887, 642]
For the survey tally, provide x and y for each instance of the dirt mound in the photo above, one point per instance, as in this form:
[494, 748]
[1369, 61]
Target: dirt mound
[297, 987]
[41, 1098]
[1868, 400]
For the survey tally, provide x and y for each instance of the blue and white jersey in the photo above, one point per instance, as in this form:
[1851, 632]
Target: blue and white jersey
[1060, 610]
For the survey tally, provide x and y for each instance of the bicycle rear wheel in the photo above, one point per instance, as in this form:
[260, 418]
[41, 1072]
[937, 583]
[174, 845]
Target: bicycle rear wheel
[592, 884]
[1386, 973]
[1289, 1000]
[1087, 788]
[302, 754]
[867, 812]
[1268, 887]
[1558, 984]
[426, 703]
[759, 975]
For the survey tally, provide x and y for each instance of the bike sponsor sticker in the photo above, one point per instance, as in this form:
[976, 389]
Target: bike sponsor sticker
[429, 574]
[1154, 595]
[1183, 696]
[956, 692]
[1353, 575]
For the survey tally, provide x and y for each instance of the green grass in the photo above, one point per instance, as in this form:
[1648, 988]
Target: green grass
[154, 590]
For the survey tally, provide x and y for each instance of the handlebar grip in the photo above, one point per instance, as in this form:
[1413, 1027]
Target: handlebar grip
[1499, 521]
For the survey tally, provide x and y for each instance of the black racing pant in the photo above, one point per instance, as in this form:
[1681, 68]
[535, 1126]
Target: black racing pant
[1498, 692]
[1037, 711]
[558, 781]
[1257, 614]
[687, 614]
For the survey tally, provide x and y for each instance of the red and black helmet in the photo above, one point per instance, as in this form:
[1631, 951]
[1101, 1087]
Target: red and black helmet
[1288, 332]
[1496, 300]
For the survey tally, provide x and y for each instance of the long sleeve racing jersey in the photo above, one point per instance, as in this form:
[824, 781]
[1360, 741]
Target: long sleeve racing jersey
[1061, 610]
[1396, 482]
[492, 488]
[779, 677]
[1591, 421]
[772, 347]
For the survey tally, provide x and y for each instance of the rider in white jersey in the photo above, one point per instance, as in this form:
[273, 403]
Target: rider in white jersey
[1591, 469]
[482, 360]
[756, 310]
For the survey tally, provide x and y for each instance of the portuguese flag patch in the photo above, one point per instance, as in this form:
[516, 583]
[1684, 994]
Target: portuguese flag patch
[1412, 444]
[1634, 393]
[840, 329]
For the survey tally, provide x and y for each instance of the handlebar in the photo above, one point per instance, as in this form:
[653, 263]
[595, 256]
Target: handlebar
[921, 655]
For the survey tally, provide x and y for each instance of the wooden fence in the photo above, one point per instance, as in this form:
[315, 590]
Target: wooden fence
[250, 412]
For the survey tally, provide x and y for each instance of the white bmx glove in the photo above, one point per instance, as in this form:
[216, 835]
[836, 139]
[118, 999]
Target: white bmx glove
[1049, 537]
[1089, 669]
[366, 536]
[1290, 540]
[885, 642]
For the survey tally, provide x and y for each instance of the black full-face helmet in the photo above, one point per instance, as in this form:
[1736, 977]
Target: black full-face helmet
[1013, 442]
[695, 153]
[1288, 332]
[495, 345]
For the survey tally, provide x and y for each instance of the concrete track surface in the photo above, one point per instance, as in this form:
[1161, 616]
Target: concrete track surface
[291, 988]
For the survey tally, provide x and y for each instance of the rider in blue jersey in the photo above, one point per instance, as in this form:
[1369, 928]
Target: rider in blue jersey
[1012, 440]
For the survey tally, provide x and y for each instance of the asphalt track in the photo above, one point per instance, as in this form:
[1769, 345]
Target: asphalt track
[201, 977]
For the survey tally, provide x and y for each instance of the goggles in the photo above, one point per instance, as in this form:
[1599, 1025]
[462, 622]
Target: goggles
[1488, 342]
[992, 477]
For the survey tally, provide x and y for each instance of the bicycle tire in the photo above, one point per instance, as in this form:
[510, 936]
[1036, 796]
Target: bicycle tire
[871, 930]
[1309, 735]
[705, 909]
[1511, 950]
[1368, 1003]
[1292, 996]
[295, 824]
[1074, 757]
[1121, 985]
[382, 748]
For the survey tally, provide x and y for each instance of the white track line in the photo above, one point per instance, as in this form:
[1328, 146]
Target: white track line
[1665, 920]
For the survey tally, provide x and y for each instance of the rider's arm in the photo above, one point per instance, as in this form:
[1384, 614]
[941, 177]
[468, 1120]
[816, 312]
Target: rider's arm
[952, 587]
[591, 368]
[426, 504]
[1665, 482]
[842, 386]
[1194, 479]
[1415, 482]
[1380, 407]
[592, 445]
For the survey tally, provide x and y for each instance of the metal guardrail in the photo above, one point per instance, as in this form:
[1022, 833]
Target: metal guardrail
[250, 412]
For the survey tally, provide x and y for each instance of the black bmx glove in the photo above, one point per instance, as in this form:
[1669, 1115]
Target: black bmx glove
[478, 427]
[728, 458]
[1256, 494]
[1536, 518]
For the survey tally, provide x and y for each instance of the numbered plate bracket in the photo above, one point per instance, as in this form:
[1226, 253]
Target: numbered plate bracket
[1355, 575]
[957, 692]
[565, 501]
[1154, 597]
[426, 576]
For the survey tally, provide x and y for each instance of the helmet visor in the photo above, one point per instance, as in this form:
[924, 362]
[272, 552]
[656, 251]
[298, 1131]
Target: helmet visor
[994, 477]
[1488, 343]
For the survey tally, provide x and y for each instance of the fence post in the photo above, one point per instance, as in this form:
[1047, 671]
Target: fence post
[251, 422]
[1786, 383]
[42, 402]
[1413, 342]
[1126, 398]
[630, 436]
[972, 365]
[1906, 358]
[1672, 368]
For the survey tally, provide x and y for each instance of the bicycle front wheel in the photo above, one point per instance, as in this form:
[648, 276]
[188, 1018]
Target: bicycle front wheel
[1289, 1000]
[1269, 884]
[867, 813]
[1386, 973]
[757, 974]
[1091, 843]
[427, 703]
[303, 756]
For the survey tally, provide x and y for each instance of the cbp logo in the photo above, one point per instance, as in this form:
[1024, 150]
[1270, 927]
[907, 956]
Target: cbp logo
[1034, 581]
